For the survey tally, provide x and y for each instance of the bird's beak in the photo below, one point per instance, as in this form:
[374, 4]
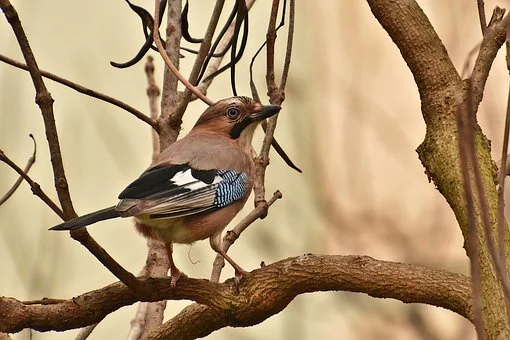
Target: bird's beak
[265, 111]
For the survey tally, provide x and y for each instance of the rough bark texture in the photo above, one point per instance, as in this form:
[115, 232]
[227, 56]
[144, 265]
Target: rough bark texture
[261, 294]
[440, 86]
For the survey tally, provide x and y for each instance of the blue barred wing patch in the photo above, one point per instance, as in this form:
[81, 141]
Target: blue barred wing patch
[180, 190]
[231, 188]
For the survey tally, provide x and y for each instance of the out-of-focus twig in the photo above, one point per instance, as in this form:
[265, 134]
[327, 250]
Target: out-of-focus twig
[16, 185]
[472, 241]
[86, 331]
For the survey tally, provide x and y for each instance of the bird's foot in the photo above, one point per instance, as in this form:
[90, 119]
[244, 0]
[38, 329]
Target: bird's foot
[175, 275]
[239, 274]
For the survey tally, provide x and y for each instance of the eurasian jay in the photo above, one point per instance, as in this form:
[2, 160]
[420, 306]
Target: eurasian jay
[195, 186]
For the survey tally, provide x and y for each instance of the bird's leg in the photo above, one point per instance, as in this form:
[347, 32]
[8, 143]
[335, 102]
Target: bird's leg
[215, 242]
[175, 273]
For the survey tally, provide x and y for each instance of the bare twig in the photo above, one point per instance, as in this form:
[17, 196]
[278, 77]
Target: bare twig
[472, 239]
[493, 39]
[481, 15]
[232, 235]
[86, 91]
[138, 322]
[36, 188]
[45, 102]
[216, 62]
[169, 62]
[16, 185]
[205, 46]
[288, 53]
[153, 94]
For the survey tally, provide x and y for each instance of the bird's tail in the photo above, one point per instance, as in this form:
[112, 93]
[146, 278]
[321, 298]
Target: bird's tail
[85, 220]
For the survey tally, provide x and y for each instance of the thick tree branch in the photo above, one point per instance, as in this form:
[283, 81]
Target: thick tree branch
[440, 87]
[262, 293]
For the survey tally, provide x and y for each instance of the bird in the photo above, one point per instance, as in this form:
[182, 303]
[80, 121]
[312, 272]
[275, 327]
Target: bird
[195, 186]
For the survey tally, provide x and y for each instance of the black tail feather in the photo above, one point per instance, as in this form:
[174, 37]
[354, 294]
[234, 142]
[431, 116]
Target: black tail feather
[85, 220]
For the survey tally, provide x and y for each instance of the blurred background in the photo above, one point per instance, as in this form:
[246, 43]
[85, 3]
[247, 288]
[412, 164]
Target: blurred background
[351, 121]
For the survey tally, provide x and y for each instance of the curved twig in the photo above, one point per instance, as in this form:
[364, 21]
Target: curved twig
[16, 185]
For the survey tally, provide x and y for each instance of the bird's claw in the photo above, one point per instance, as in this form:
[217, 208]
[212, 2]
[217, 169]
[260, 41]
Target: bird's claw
[239, 274]
[175, 275]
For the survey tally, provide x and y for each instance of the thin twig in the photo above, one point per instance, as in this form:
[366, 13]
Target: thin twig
[216, 62]
[481, 15]
[16, 185]
[169, 62]
[36, 188]
[232, 235]
[288, 53]
[84, 90]
[472, 239]
[493, 39]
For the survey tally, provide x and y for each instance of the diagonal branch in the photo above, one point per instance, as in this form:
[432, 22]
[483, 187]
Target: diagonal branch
[86, 91]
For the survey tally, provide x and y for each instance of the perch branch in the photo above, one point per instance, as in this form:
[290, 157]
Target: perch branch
[262, 293]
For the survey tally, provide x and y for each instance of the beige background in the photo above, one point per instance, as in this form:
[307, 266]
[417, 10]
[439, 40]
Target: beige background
[351, 121]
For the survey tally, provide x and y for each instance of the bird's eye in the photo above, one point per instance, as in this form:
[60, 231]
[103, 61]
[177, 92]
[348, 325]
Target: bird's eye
[232, 113]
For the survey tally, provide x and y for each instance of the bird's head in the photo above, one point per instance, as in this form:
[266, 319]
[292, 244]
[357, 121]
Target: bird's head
[235, 117]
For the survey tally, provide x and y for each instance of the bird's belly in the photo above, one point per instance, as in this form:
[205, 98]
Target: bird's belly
[186, 229]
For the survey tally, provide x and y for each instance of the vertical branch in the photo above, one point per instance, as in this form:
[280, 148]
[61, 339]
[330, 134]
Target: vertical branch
[472, 239]
[169, 123]
[481, 15]
[45, 101]
[157, 263]
[288, 53]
